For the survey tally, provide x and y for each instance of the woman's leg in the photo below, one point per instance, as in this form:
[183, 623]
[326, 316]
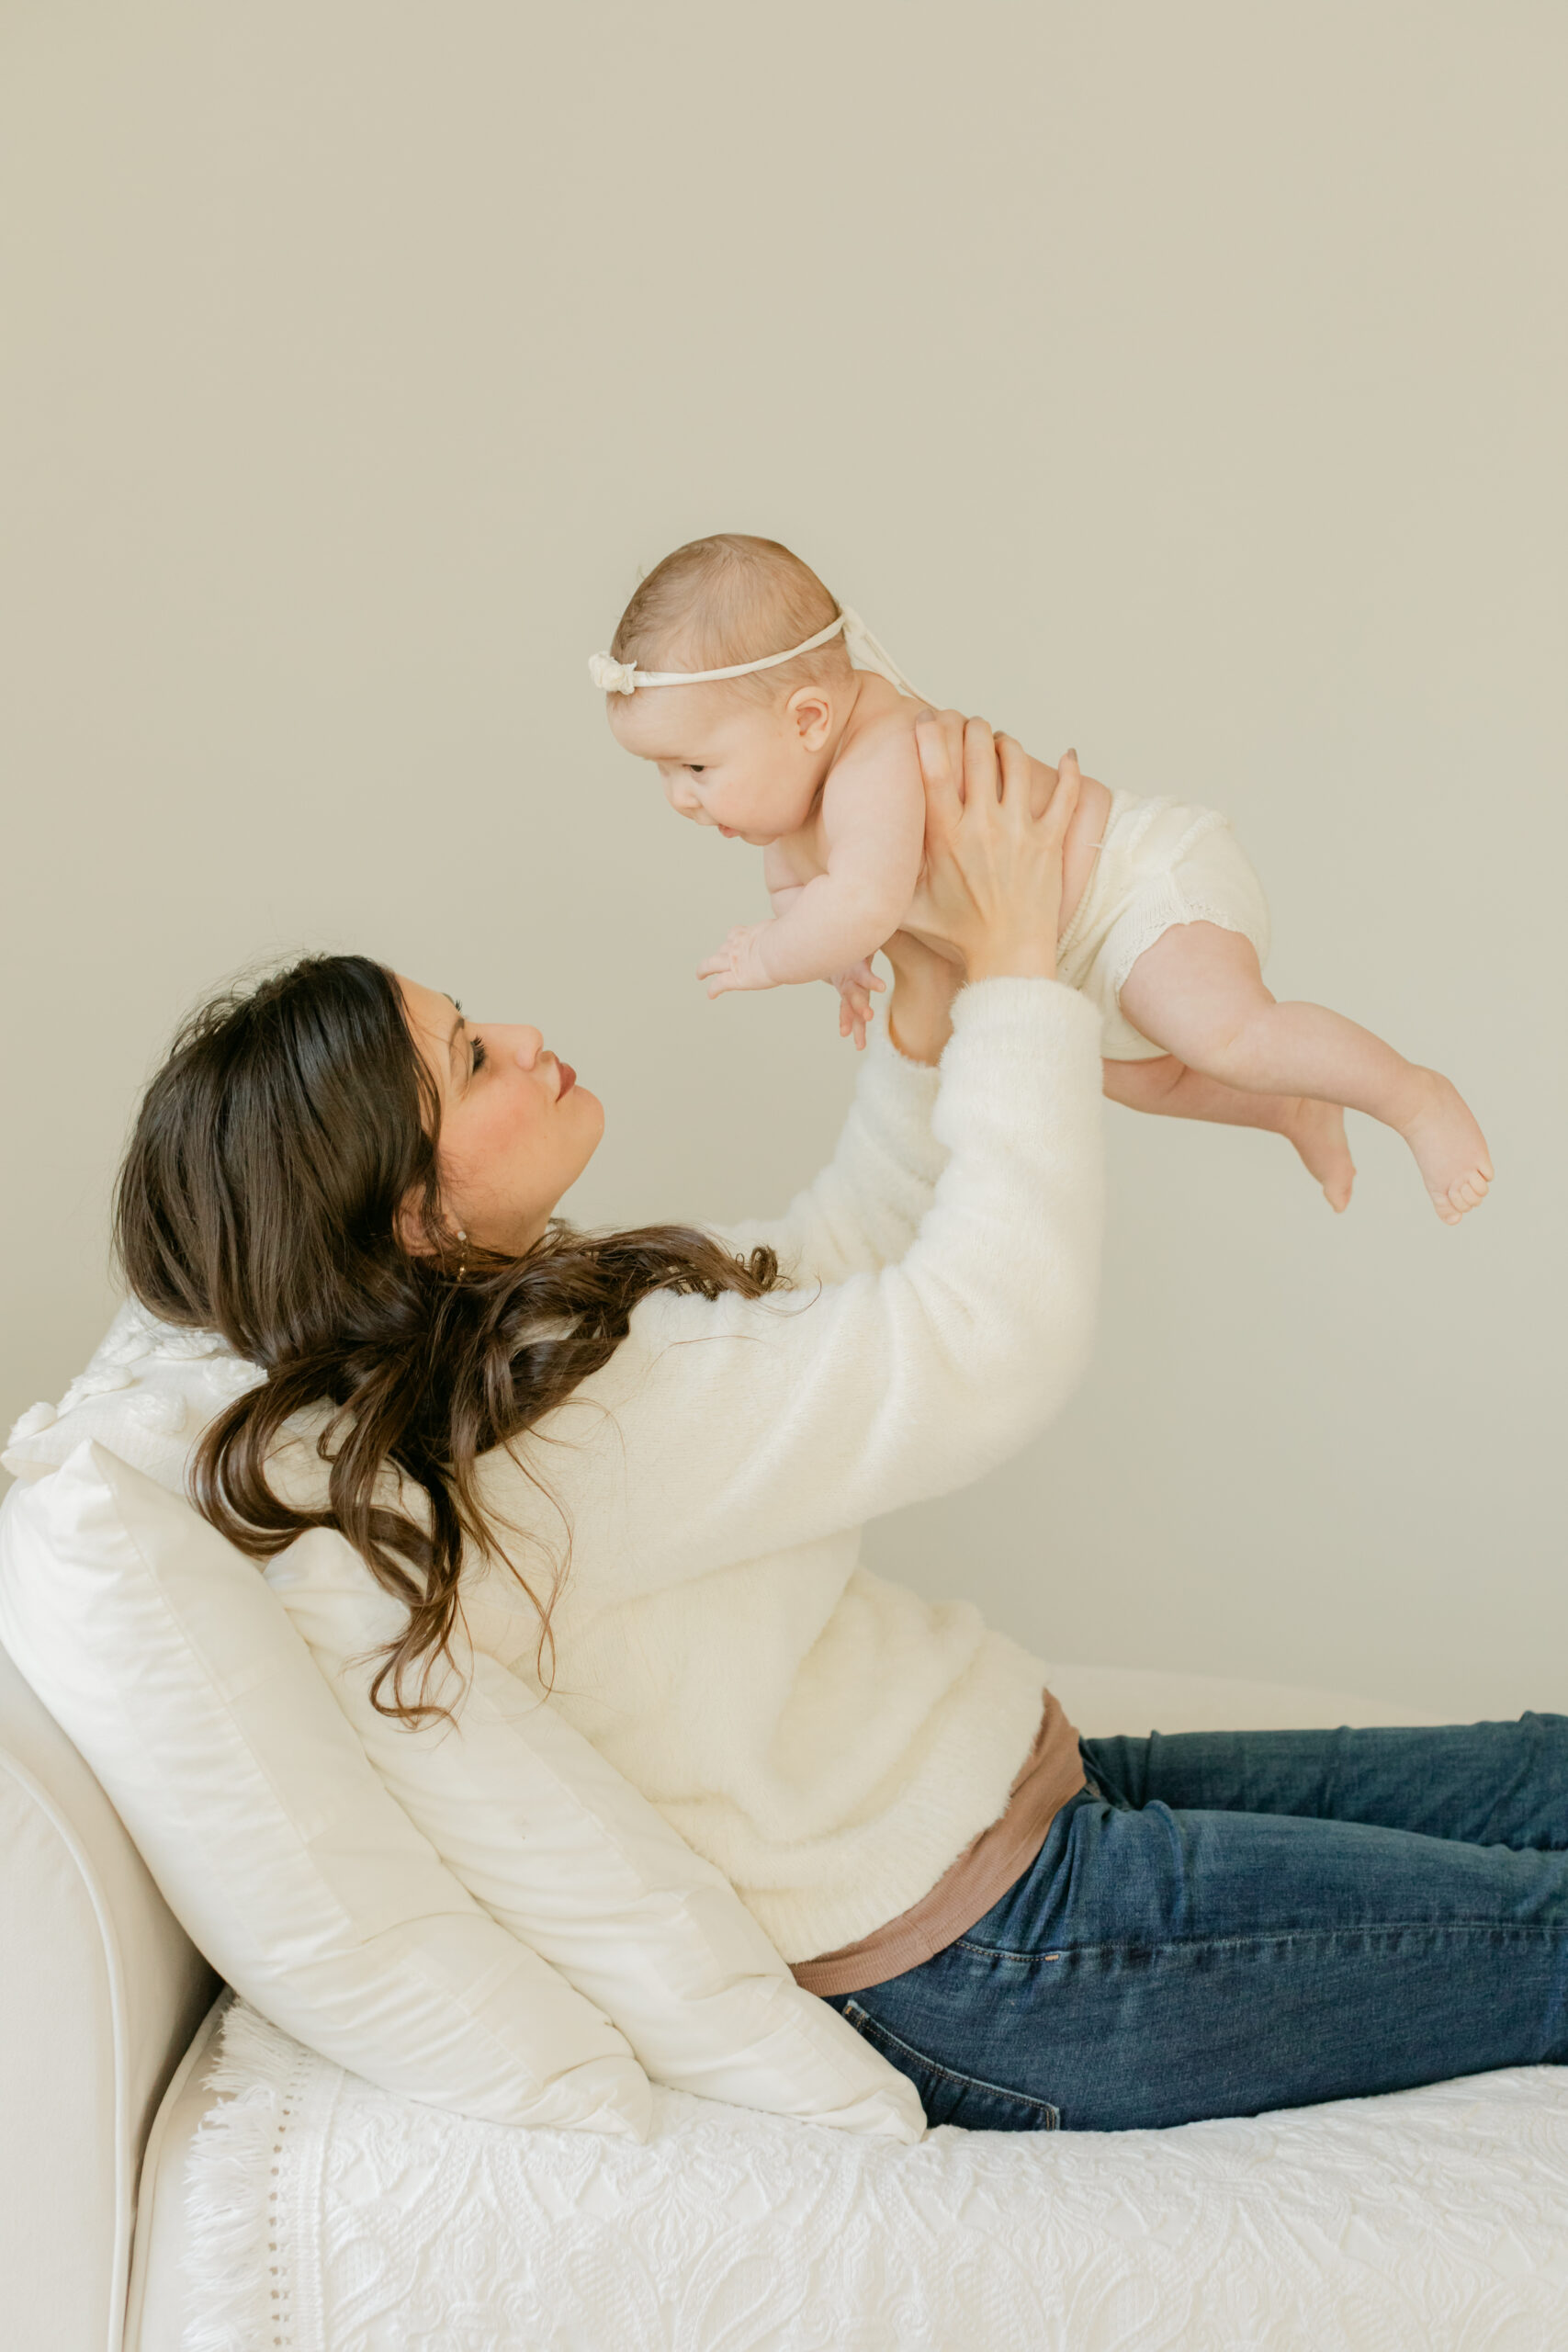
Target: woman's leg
[1490, 1784]
[1160, 1963]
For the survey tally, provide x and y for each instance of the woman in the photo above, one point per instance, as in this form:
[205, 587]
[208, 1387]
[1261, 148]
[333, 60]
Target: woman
[358, 1186]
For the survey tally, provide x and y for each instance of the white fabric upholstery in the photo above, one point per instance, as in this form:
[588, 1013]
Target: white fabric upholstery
[99, 1992]
[1421, 2221]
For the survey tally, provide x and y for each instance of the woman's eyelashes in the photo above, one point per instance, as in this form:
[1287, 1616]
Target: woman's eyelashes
[479, 1056]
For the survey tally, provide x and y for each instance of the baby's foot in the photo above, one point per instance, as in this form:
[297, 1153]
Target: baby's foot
[1317, 1130]
[1451, 1150]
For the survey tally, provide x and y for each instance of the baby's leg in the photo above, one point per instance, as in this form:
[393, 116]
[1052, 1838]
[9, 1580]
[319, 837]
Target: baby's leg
[1198, 992]
[1171, 1091]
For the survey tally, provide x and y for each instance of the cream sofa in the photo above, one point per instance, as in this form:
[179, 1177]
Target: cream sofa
[107, 2013]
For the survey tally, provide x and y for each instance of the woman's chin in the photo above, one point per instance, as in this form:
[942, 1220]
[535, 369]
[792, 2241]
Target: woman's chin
[591, 1109]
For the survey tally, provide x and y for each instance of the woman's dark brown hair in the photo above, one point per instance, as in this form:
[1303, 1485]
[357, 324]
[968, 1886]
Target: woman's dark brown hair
[264, 1196]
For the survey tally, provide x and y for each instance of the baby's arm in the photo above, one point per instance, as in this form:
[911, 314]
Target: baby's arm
[873, 828]
[854, 987]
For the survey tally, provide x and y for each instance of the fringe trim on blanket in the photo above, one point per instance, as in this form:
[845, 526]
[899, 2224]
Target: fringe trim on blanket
[234, 2258]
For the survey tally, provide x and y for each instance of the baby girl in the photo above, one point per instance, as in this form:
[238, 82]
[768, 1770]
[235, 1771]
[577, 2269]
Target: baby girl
[731, 671]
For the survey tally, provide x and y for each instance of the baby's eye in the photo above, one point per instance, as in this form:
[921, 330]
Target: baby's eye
[692, 768]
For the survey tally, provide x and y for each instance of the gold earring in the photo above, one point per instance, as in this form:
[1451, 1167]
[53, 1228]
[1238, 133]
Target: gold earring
[463, 1260]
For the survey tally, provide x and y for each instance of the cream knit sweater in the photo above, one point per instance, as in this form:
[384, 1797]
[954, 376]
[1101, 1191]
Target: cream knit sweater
[829, 1741]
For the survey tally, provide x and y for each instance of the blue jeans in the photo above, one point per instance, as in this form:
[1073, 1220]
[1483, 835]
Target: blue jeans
[1225, 1922]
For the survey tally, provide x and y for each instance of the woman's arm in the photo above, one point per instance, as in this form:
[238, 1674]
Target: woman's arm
[864, 1210]
[800, 1415]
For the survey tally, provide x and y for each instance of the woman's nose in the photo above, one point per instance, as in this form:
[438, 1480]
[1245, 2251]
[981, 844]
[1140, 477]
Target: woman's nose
[524, 1044]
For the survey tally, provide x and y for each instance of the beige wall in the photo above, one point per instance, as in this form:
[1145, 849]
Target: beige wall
[1184, 383]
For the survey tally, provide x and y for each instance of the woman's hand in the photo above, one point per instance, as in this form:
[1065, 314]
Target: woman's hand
[991, 884]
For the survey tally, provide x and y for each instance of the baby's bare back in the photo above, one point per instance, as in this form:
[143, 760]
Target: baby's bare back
[882, 726]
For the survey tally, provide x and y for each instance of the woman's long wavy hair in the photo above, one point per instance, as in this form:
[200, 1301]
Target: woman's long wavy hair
[279, 1161]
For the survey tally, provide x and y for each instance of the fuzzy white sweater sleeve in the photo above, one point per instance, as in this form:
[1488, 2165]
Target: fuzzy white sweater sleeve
[750, 1425]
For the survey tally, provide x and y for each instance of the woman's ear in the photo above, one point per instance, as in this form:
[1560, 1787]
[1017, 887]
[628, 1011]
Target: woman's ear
[810, 711]
[413, 1234]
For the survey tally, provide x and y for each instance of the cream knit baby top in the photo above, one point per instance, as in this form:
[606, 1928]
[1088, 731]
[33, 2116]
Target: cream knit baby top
[829, 1739]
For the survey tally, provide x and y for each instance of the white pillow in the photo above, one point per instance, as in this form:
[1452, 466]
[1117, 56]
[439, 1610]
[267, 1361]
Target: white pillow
[561, 1848]
[554, 1842]
[148, 1394]
[168, 1660]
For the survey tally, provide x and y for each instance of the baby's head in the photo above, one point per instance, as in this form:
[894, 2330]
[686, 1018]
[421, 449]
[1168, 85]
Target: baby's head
[744, 754]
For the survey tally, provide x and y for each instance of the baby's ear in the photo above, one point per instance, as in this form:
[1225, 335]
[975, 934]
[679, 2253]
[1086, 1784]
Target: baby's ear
[810, 710]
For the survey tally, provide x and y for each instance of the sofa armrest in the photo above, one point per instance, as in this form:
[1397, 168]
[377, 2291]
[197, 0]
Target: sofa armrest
[100, 1992]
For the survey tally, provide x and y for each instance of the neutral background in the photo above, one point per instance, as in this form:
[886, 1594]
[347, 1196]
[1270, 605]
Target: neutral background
[1187, 384]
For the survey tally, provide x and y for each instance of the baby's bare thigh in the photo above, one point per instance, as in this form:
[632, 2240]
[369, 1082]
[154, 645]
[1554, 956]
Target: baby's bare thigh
[1196, 986]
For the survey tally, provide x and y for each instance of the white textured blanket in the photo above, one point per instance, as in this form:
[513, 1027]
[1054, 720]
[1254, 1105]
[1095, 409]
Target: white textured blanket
[329, 2217]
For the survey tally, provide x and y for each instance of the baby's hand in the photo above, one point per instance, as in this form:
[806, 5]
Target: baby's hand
[855, 1007]
[738, 963]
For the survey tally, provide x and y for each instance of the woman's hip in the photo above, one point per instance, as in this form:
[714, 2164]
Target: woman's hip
[1160, 1963]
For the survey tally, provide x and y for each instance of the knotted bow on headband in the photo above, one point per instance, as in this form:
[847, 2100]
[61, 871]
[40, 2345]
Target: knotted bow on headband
[613, 677]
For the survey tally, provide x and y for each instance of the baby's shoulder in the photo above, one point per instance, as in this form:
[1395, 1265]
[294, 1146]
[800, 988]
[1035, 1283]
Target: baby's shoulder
[878, 748]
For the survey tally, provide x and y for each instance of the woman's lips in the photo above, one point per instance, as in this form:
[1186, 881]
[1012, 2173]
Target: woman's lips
[568, 1078]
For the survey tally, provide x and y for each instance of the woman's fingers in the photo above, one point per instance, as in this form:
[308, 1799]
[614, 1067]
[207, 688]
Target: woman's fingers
[1017, 773]
[979, 761]
[1064, 799]
[939, 742]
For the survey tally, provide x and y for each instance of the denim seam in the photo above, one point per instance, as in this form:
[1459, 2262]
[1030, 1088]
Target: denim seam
[1265, 1936]
[948, 2073]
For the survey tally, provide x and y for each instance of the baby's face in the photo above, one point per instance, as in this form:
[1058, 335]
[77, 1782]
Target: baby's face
[738, 766]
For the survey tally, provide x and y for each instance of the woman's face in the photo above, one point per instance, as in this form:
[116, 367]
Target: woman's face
[516, 1129]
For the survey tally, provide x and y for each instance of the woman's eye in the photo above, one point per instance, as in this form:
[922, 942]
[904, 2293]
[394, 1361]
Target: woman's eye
[479, 1055]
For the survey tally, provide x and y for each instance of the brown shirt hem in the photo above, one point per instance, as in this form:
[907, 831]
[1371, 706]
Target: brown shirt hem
[1051, 1773]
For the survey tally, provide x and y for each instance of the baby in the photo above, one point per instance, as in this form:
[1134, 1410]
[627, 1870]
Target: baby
[731, 671]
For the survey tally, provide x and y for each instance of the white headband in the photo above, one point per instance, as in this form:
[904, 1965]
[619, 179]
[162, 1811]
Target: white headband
[613, 677]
